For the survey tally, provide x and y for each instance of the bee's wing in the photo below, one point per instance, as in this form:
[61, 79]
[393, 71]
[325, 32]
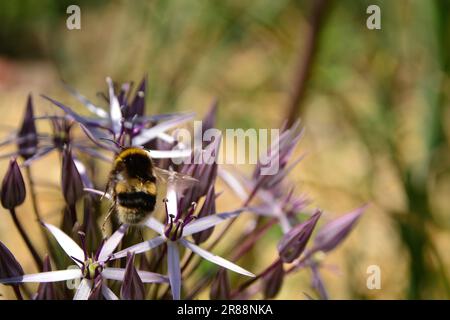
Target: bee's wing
[182, 180]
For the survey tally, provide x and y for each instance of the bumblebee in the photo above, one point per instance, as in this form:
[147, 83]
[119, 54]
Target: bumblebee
[134, 182]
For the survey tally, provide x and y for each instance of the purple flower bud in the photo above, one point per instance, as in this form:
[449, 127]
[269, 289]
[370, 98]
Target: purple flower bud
[96, 293]
[209, 121]
[205, 173]
[292, 245]
[220, 287]
[72, 184]
[138, 105]
[333, 233]
[46, 290]
[273, 281]
[208, 208]
[132, 286]
[9, 267]
[13, 187]
[27, 135]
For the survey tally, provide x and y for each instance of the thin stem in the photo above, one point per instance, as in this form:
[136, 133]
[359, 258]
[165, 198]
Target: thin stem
[33, 193]
[17, 292]
[305, 59]
[27, 240]
[254, 279]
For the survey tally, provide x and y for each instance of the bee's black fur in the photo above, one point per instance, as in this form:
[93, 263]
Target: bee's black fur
[137, 200]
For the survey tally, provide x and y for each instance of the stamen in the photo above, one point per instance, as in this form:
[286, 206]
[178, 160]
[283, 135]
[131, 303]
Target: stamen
[83, 243]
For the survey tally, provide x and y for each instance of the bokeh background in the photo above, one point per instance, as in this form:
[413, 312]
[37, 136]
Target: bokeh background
[374, 103]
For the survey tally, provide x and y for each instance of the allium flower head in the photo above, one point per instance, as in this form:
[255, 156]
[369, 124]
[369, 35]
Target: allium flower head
[174, 233]
[90, 267]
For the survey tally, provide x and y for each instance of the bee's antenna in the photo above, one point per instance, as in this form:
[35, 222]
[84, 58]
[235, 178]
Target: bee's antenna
[115, 142]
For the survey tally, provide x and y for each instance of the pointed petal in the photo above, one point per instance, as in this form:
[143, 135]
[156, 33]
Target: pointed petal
[70, 247]
[111, 244]
[69, 111]
[98, 192]
[170, 154]
[208, 222]
[215, 259]
[51, 276]
[140, 247]
[151, 133]
[152, 277]
[115, 111]
[96, 137]
[155, 225]
[83, 290]
[108, 293]
[113, 273]
[233, 183]
[39, 154]
[174, 271]
[86, 102]
[146, 276]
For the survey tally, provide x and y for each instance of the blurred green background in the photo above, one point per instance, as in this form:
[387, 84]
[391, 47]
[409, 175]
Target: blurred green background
[375, 105]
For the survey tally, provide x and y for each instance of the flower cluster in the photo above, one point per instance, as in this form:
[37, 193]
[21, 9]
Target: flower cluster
[167, 248]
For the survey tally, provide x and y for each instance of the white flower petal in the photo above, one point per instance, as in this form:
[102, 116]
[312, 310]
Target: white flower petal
[51, 276]
[111, 244]
[151, 277]
[173, 268]
[208, 222]
[155, 225]
[115, 111]
[108, 293]
[215, 259]
[140, 247]
[233, 183]
[84, 290]
[146, 276]
[113, 273]
[71, 248]
[171, 196]
[151, 133]
[170, 154]
[98, 192]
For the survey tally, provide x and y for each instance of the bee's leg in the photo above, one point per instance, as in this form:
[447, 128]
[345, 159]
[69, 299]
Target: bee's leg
[106, 190]
[108, 215]
[140, 233]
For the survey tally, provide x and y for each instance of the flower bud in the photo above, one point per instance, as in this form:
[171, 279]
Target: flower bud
[46, 290]
[72, 184]
[27, 135]
[9, 266]
[13, 187]
[96, 293]
[294, 242]
[132, 286]
[220, 287]
[273, 281]
[208, 208]
[333, 233]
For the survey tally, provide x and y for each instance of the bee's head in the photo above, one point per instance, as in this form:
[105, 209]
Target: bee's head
[135, 162]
